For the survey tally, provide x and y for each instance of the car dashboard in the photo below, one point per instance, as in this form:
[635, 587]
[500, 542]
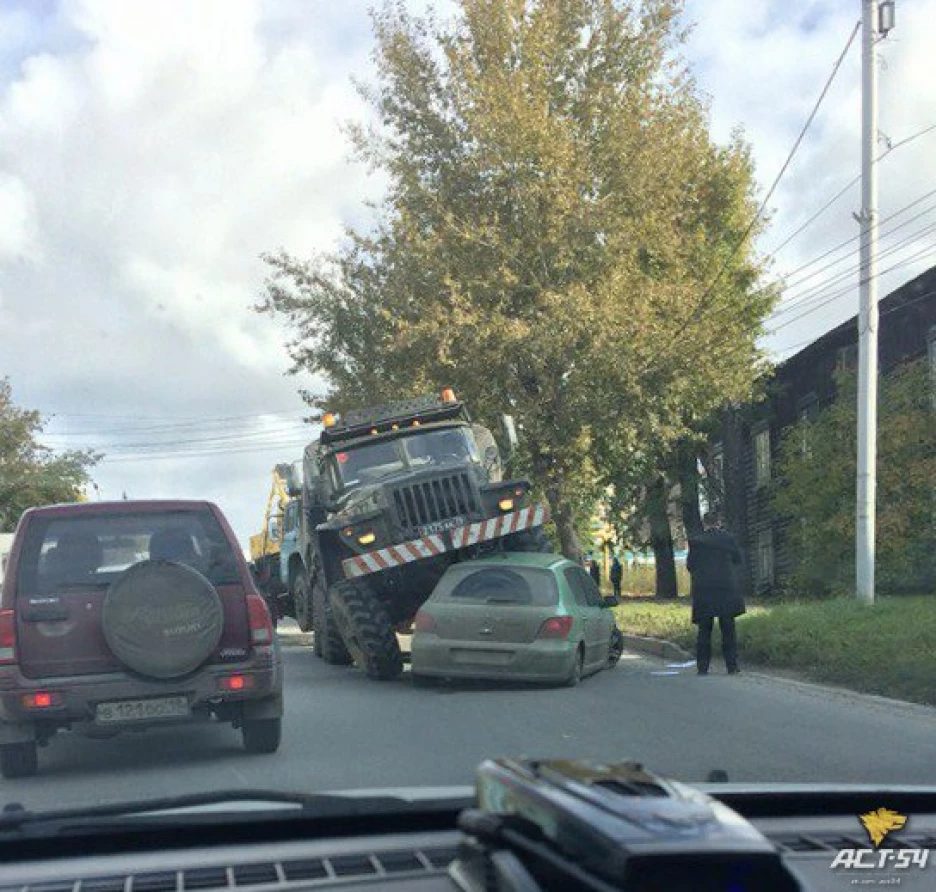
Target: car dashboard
[423, 851]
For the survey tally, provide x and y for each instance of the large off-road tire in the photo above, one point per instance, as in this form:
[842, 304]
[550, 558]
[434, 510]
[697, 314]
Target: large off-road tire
[327, 643]
[366, 628]
[19, 759]
[529, 540]
[302, 595]
[162, 619]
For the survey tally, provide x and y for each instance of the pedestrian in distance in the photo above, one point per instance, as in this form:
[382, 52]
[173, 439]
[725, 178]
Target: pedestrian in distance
[713, 556]
[595, 572]
[616, 575]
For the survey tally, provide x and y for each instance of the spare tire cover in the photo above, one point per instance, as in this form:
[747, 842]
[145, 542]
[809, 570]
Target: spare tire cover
[162, 619]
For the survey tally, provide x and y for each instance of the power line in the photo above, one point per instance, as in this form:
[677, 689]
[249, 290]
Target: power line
[706, 296]
[792, 348]
[929, 249]
[847, 186]
[818, 289]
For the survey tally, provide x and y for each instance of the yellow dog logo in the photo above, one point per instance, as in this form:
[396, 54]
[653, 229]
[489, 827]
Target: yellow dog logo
[881, 823]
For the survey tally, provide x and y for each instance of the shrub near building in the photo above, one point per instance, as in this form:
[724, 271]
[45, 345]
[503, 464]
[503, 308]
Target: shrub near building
[816, 488]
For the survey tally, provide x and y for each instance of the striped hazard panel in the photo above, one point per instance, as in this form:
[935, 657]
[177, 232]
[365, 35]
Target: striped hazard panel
[394, 556]
[514, 522]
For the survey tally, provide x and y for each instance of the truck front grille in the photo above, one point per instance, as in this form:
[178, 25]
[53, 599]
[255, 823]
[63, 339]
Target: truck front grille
[433, 500]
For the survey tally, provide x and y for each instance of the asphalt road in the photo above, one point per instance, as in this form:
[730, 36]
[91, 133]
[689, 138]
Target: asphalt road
[343, 731]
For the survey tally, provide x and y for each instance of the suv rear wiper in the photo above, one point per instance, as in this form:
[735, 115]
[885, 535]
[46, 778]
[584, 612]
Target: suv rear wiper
[14, 816]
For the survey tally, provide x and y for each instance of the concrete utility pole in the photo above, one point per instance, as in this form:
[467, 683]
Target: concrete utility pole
[876, 18]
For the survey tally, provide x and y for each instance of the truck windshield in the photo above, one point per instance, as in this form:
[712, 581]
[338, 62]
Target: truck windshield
[365, 464]
[451, 446]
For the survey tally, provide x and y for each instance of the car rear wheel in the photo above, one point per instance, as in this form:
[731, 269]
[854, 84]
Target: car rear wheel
[262, 735]
[617, 647]
[367, 631]
[578, 668]
[19, 759]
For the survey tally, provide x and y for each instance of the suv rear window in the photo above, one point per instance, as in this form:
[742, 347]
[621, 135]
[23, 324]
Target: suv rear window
[499, 585]
[91, 551]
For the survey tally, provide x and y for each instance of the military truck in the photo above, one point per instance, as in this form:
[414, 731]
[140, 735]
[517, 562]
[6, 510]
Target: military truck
[391, 497]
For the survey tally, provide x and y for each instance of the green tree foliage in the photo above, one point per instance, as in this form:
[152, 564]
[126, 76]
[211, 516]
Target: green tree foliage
[556, 216]
[817, 470]
[31, 474]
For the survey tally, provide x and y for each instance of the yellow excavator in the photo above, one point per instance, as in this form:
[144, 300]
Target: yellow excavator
[266, 546]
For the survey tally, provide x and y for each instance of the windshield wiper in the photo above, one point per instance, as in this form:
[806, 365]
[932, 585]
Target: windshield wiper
[14, 816]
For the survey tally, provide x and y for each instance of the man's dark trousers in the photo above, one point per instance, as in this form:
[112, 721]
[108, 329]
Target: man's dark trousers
[726, 625]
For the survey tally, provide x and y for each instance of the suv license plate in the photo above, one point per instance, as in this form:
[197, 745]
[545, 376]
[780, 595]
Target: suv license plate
[142, 710]
[441, 526]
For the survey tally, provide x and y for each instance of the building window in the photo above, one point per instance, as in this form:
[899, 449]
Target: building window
[762, 457]
[764, 563]
[807, 411]
[846, 358]
[931, 355]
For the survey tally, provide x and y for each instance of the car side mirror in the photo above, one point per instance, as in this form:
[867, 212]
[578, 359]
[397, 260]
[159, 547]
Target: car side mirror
[490, 459]
[610, 601]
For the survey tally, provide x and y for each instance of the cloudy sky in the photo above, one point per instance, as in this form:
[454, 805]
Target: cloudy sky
[149, 152]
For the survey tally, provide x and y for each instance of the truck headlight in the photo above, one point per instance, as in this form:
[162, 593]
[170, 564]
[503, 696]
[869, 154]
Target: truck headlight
[367, 538]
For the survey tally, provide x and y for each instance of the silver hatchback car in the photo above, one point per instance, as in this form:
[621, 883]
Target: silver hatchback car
[526, 617]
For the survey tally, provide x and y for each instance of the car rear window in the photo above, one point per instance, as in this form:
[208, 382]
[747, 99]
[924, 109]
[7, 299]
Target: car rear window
[493, 585]
[91, 551]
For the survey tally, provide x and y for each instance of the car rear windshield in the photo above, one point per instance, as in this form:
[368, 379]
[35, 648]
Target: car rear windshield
[91, 551]
[499, 585]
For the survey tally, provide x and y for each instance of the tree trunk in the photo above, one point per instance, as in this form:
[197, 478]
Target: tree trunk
[661, 539]
[564, 519]
[688, 470]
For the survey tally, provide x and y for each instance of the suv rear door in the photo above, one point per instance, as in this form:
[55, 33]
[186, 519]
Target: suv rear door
[68, 561]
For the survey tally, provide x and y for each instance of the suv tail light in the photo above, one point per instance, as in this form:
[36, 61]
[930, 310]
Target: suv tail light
[261, 624]
[424, 622]
[7, 637]
[555, 627]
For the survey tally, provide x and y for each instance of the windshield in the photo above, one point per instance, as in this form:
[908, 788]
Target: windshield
[630, 303]
[371, 462]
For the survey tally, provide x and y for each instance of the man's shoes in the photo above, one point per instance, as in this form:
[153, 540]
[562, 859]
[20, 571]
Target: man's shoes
[734, 670]
[701, 671]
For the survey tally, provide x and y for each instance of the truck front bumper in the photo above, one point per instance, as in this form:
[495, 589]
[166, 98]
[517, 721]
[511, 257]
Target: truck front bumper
[440, 543]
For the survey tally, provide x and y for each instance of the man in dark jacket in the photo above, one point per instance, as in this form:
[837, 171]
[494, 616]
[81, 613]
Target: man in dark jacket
[616, 575]
[713, 555]
[595, 572]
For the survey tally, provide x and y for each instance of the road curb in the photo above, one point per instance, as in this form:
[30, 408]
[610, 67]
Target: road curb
[293, 637]
[657, 647]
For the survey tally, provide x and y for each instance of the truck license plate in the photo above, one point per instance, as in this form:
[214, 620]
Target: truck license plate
[142, 710]
[441, 526]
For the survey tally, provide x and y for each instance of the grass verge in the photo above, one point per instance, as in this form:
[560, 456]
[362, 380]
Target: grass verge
[886, 649]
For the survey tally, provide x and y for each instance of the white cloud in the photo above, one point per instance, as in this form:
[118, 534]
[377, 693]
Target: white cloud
[19, 237]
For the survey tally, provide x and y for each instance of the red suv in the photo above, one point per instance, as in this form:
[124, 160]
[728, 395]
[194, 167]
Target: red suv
[128, 615]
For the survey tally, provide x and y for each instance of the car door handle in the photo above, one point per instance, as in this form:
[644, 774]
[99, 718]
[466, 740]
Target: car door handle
[43, 610]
